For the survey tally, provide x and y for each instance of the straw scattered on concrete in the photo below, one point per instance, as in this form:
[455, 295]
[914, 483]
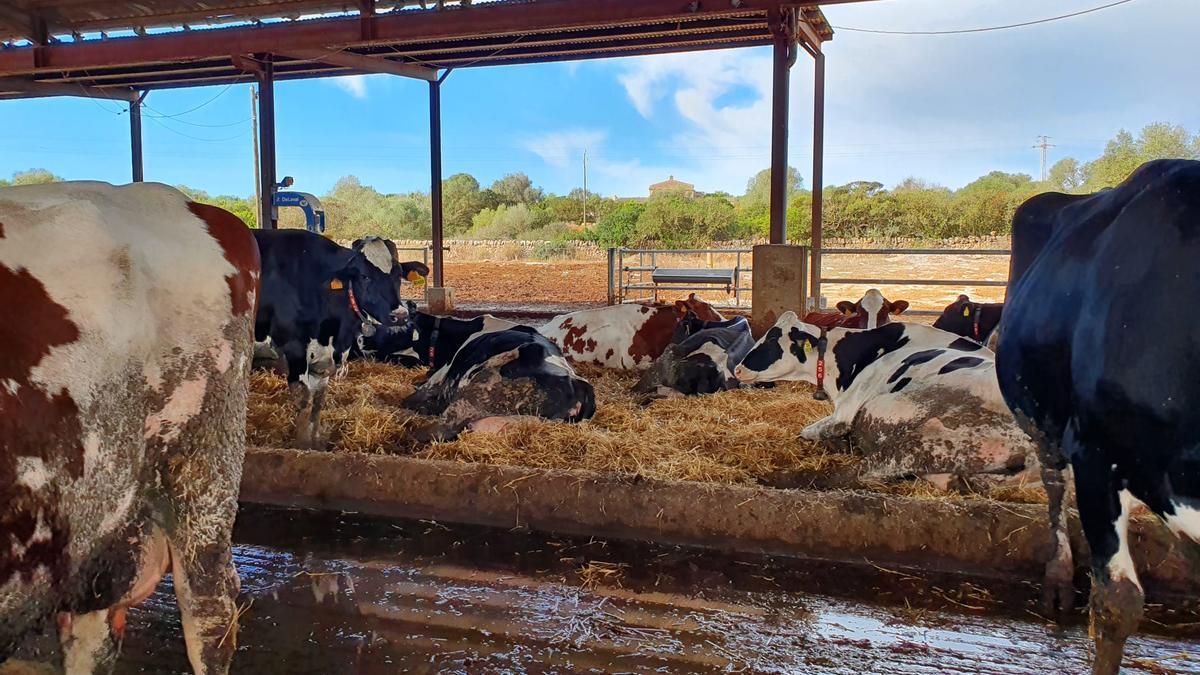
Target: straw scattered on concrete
[746, 437]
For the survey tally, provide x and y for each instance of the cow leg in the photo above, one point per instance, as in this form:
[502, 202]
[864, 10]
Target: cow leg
[1058, 585]
[91, 642]
[319, 368]
[826, 429]
[201, 477]
[1117, 599]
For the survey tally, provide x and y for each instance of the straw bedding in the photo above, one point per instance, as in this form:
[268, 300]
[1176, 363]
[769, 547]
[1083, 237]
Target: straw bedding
[746, 437]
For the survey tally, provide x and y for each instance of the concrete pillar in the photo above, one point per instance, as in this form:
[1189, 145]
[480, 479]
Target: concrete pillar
[780, 283]
[439, 300]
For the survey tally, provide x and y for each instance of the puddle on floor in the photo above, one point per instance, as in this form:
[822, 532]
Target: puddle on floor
[339, 594]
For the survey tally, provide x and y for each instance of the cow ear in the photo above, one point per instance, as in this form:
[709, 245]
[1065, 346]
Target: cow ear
[846, 308]
[899, 306]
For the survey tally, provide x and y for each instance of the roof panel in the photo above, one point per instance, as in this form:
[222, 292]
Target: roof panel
[162, 43]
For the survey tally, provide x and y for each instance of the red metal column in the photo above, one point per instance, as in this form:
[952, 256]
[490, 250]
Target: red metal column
[266, 143]
[818, 188]
[135, 138]
[779, 129]
[435, 177]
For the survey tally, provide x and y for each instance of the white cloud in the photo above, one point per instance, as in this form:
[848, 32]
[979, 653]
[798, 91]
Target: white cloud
[721, 101]
[564, 148]
[946, 108]
[355, 85]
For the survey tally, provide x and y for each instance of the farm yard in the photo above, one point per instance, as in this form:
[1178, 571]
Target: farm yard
[561, 285]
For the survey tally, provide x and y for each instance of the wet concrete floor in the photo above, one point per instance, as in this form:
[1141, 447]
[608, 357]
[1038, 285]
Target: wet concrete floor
[327, 593]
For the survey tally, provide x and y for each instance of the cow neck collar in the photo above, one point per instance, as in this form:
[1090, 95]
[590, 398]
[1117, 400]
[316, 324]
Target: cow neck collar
[362, 316]
[822, 344]
[433, 336]
[976, 310]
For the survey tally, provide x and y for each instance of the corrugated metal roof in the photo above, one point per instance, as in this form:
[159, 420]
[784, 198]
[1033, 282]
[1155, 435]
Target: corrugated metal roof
[170, 43]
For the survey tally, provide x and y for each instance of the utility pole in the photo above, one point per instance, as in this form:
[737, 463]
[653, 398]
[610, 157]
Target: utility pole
[254, 137]
[1045, 144]
[585, 192]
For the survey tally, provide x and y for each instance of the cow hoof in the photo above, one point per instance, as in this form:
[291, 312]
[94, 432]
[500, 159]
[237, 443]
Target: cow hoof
[1058, 589]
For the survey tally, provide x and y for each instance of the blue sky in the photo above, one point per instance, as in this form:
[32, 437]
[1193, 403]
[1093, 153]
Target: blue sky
[943, 108]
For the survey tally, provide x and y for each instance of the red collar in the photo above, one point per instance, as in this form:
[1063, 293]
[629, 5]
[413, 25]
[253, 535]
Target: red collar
[822, 343]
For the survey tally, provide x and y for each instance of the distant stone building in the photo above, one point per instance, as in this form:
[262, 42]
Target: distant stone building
[672, 186]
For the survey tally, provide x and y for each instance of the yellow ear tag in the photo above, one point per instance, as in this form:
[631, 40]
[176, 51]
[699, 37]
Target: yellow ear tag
[416, 279]
[966, 311]
[336, 285]
[807, 347]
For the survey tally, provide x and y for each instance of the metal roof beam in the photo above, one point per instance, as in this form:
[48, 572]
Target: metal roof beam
[394, 28]
[17, 21]
[364, 63]
[26, 88]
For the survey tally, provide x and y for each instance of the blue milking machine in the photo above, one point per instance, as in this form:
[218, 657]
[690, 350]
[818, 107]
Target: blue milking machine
[314, 212]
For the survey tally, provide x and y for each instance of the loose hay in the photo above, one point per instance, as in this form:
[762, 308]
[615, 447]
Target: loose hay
[747, 437]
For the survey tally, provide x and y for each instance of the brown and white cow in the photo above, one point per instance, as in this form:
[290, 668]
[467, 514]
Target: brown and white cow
[626, 337]
[126, 316]
[871, 311]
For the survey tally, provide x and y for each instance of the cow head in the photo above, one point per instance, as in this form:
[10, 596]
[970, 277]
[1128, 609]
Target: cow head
[700, 308]
[788, 351]
[688, 325]
[959, 317]
[675, 373]
[872, 311]
[384, 254]
[396, 340]
[367, 274]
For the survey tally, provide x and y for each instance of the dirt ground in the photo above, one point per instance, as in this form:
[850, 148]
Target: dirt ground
[513, 285]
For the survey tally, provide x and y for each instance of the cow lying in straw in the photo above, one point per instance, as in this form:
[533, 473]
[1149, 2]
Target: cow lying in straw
[626, 337]
[702, 363]
[484, 373]
[915, 400]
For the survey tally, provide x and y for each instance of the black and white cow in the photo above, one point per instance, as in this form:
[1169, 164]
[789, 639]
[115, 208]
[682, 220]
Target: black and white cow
[317, 298]
[701, 363]
[976, 320]
[494, 376]
[422, 339]
[126, 319]
[915, 400]
[1100, 387]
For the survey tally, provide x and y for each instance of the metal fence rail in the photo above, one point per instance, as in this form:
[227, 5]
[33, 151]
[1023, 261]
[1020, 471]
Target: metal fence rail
[908, 282]
[631, 270]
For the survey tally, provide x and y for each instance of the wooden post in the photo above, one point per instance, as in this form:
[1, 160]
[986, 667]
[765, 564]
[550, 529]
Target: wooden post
[266, 142]
[135, 138]
[818, 188]
[779, 127]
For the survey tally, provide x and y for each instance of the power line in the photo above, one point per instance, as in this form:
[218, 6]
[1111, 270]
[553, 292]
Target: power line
[192, 110]
[196, 138]
[984, 29]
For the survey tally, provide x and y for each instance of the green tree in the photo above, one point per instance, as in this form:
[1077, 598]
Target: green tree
[618, 227]
[461, 200]
[753, 209]
[517, 188]
[1066, 175]
[674, 221]
[1124, 153]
